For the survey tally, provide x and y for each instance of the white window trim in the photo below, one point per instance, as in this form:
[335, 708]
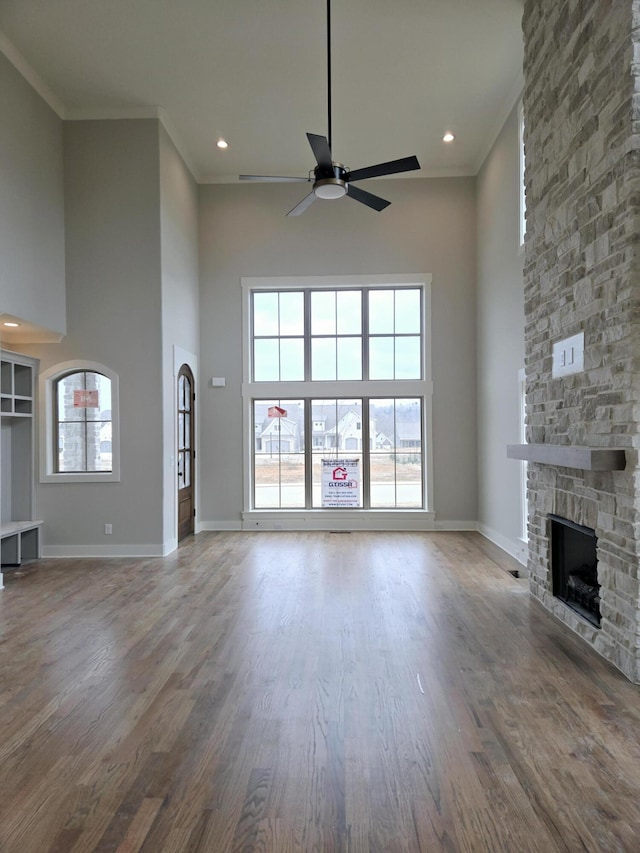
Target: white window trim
[47, 379]
[522, 200]
[342, 389]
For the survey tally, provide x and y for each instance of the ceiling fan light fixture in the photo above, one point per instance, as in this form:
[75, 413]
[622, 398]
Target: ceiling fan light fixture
[330, 188]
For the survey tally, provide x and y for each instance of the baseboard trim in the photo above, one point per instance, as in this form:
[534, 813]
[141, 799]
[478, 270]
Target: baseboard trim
[103, 551]
[452, 526]
[219, 526]
[169, 546]
[518, 550]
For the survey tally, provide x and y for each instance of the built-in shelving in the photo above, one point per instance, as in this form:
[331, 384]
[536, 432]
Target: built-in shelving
[19, 532]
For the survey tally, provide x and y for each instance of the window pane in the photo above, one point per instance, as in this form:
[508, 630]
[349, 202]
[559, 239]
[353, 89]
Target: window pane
[187, 431]
[323, 359]
[181, 392]
[187, 470]
[67, 410]
[349, 358]
[100, 409]
[292, 313]
[265, 313]
[266, 361]
[292, 359]
[336, 451]
[71, 448]
[323, 312]
[396, 462]
[408, 358]
[407, 312]
[187, 394]
[349, 311]
[180, 430]
[381, 311]
[278, 453]
[381, 358]
[96, 433]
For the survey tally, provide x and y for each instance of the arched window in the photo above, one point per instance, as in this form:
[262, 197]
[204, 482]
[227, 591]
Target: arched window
[83, 423]
[80, 440]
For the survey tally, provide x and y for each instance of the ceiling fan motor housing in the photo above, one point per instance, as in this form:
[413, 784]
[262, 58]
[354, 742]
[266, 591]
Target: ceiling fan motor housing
[329, 185]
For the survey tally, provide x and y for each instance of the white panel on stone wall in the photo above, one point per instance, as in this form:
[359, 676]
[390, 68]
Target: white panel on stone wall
[568, 356]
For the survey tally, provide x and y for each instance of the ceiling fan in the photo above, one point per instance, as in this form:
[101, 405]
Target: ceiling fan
[332, 180]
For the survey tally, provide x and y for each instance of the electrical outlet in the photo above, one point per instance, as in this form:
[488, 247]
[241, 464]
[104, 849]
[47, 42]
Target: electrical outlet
[108, 529]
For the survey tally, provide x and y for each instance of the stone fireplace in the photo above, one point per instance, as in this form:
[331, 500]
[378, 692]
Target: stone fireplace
[582, 276]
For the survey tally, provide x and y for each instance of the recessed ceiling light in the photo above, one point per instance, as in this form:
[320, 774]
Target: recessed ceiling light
[222, 143]
[11, 325]
[448, 137]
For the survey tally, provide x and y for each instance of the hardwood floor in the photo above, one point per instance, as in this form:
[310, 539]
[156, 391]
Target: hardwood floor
[307, 692]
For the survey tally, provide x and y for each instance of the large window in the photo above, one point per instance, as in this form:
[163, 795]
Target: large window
[336, 393]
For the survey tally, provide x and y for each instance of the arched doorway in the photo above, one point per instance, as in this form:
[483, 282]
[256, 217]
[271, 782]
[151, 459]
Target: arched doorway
[186, 452]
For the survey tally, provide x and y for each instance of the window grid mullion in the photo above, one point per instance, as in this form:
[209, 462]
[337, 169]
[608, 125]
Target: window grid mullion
[307, 335]
[308, 453]
[366, 455]
[365, 333]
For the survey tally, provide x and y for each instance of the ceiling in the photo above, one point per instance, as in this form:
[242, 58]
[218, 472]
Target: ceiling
[254, 72]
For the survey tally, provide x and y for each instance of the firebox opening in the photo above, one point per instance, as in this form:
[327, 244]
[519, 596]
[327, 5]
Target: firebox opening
[574, 567]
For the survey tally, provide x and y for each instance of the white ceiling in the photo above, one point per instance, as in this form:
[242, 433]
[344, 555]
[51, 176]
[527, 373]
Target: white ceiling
[254, 72]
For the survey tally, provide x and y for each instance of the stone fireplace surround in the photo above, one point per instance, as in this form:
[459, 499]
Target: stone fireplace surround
[582, 274]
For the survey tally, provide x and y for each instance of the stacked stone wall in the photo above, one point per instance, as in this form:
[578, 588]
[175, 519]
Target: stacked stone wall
[582, 144]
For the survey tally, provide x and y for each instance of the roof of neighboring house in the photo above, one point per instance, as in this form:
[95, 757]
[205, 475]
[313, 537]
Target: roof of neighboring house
[409, 431]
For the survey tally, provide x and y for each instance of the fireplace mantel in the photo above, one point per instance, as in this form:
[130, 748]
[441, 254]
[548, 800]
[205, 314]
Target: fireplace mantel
[569, 456]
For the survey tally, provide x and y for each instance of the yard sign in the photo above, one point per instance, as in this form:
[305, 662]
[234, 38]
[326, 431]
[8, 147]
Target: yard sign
[341, 482]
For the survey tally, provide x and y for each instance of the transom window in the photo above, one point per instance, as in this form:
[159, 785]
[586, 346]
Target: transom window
[337, 335]
[337, 395]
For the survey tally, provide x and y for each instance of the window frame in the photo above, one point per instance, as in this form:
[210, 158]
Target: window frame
[49, 425]
[522, 192]
[329, 389]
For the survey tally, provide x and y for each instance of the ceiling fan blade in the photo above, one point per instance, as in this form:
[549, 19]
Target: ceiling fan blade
[321, 150]
[302, 205]
[405, 164]
[369, 199]
[271, 178]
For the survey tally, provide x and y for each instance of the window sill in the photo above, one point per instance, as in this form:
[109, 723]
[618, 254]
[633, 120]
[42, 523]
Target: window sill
[93, 477]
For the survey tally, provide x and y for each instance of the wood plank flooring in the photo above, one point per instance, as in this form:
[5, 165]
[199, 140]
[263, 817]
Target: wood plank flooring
[307, 692]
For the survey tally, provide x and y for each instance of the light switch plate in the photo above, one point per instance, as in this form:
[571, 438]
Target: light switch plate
[568, 356]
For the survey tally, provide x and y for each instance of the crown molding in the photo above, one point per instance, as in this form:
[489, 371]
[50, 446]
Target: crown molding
[31, 76]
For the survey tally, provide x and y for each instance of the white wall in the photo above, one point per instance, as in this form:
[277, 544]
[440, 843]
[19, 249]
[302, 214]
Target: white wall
[32, 268]
[112, 205]
[180, 302]
[500, 301]
[429, 228]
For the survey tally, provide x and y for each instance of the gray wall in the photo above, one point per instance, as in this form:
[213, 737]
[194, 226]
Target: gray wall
[32, 269]
[112, 203]
[430, 227]
[180, 301]
[500, 340]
